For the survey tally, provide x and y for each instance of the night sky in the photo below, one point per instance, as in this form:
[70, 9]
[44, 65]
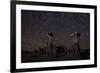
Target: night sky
[36, 25]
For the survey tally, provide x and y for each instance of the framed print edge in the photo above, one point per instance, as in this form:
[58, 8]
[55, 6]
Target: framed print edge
[13, 36]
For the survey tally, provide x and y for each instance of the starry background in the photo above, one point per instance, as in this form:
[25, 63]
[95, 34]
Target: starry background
[36, 24]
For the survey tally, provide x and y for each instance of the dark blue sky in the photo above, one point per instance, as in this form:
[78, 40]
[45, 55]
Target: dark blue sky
[41, 22]
[56, 21]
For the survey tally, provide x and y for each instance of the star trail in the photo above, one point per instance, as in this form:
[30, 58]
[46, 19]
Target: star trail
[35, 25]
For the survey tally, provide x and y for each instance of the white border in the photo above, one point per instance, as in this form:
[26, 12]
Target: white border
[20, 65]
